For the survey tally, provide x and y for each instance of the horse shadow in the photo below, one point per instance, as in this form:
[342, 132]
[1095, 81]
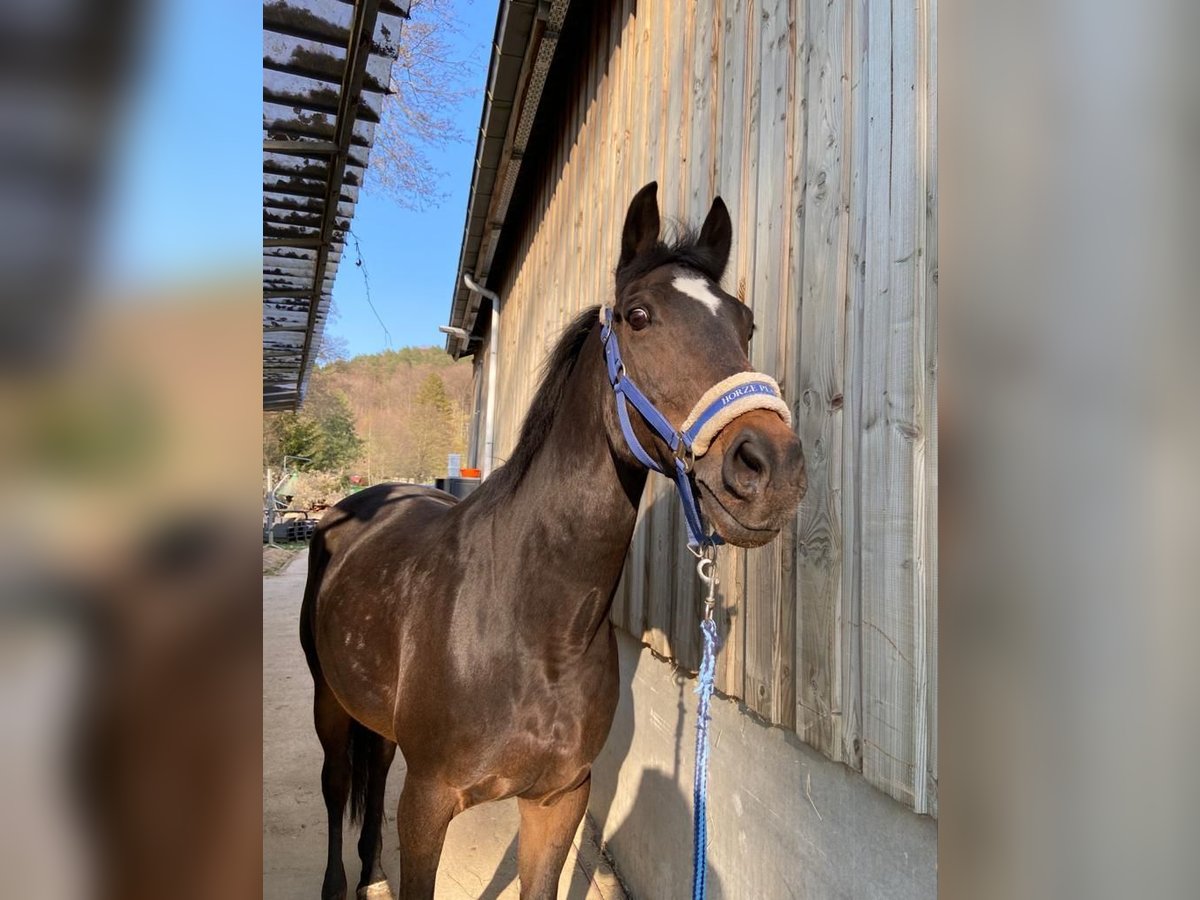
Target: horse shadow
[660, 821]
[659, 824]
[505, 874]
[654, 836]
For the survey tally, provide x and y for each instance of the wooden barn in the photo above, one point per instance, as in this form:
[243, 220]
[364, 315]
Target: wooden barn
[816, 122]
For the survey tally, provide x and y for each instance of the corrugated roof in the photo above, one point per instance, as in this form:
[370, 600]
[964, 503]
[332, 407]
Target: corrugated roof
[326, 67]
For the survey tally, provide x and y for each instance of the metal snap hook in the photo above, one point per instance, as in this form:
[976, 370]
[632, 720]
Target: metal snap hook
[706, 568]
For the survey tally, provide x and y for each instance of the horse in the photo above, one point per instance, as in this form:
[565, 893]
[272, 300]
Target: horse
[475, 634]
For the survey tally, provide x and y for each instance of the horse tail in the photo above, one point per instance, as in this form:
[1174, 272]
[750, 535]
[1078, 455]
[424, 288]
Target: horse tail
[318, 557]
[364, 749]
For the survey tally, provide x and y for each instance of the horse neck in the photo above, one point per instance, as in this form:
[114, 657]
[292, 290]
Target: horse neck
[570, 520]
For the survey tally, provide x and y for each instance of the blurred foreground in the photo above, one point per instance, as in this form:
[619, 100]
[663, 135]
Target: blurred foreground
[130, 653]
[1069, 370]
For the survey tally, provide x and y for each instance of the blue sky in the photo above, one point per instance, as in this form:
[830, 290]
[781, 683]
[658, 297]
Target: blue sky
[412, 258]
[185, 198]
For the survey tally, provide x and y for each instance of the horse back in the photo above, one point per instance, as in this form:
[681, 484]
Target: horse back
[381, 506]
[361, 567]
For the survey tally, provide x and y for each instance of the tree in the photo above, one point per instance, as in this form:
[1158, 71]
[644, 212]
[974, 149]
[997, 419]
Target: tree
[339, 445]
[406, 421]
[433, 429]
[428, 80]
[289, 434]
[323, 432]
[332, 348]
[432, 395]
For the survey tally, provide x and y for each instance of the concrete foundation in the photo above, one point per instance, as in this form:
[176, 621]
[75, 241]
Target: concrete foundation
[783, 821]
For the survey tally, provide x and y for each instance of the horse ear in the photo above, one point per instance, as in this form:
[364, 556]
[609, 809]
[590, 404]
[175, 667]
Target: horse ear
[641, 224]
[716, 235]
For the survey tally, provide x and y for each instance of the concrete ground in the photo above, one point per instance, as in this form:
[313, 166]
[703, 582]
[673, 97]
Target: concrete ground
[479, 860]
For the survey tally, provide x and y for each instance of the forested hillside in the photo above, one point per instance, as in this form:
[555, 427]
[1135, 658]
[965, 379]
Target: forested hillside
[386, 416]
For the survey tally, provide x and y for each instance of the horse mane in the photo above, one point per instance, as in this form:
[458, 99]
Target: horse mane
[556, 371]
[682, 248]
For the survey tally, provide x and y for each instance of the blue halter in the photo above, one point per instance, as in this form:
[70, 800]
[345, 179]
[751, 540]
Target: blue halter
[681, 442]
[722, 403]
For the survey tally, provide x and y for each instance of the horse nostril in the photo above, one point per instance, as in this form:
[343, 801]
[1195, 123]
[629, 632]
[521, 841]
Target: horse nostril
[750, 458]
[747, 466]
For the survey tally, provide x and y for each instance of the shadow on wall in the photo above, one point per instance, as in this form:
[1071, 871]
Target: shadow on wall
[648, 810]
[572, 94]
[660, 817]
[656, 816]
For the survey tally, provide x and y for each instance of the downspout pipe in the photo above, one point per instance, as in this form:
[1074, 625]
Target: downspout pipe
[489, 422]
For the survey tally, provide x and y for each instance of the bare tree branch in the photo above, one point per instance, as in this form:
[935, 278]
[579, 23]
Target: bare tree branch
[428, 82]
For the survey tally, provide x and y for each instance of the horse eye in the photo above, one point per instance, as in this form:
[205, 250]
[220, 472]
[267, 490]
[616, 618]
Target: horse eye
[638, 318]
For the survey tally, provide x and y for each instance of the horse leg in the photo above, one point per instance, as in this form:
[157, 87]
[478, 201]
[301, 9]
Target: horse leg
[426, 808]
[333, 730]
[373, 882]
[545, 838]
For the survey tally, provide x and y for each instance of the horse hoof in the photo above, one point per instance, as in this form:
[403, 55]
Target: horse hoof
[377, 891]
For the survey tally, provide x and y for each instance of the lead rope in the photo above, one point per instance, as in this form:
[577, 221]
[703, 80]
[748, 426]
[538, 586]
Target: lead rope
[707, 569]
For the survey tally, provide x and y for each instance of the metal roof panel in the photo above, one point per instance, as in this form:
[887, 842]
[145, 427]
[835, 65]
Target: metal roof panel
[322, 98]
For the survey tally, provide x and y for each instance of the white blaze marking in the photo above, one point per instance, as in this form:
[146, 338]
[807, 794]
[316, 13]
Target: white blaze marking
[697, 288]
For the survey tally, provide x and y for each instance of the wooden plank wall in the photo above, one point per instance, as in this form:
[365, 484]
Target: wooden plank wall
[815, 120]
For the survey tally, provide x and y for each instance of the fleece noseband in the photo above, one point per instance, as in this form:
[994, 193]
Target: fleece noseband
[720, 405]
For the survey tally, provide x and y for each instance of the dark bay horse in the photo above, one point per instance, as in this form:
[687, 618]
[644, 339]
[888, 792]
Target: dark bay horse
[475, 634]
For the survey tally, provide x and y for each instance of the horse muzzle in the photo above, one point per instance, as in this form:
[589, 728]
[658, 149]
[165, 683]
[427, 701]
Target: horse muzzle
[751, 478]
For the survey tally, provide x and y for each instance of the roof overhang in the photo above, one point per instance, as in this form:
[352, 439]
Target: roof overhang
[326, 69]
[524, 46]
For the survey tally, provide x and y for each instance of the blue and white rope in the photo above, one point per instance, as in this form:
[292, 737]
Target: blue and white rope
[708, 667]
